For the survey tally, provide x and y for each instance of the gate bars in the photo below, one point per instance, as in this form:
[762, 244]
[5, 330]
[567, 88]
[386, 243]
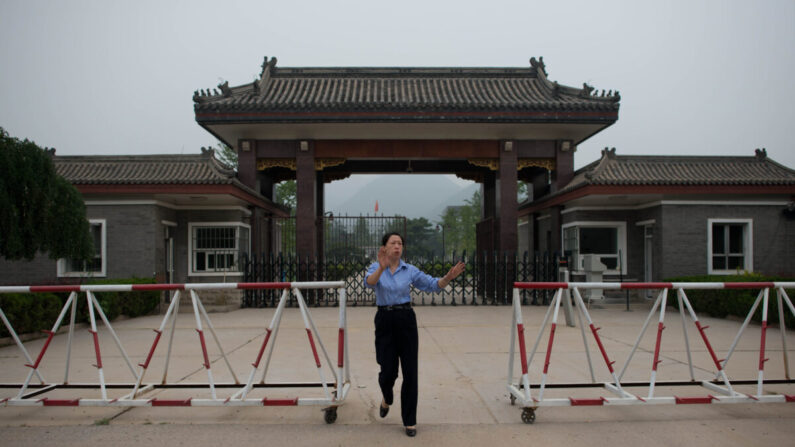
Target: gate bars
[332, 397]
[720, 386]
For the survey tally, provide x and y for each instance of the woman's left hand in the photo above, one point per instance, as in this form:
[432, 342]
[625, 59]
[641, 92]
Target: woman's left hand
[455, 271]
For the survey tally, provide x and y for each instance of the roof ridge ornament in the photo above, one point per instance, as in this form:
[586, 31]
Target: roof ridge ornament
[586, 91]
[761, 154]
[225, 90]
[539, 64]
[540, 70]
[607, 154]
[268, 67]
[589, 92]
[200, 96]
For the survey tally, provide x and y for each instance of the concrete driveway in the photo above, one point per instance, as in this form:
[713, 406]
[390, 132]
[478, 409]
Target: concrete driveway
[463, 399]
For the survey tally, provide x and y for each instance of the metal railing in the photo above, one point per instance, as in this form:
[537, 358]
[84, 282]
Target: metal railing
[132, 393]
[723, 389]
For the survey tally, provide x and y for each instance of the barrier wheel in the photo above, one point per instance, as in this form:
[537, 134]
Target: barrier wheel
[528, 416]
[513, 399]
[330, 415]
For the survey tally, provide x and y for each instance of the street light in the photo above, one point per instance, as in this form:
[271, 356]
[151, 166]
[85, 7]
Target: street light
[438, 226]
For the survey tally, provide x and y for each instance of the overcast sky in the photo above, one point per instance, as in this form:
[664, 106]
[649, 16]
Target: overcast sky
[112, 77]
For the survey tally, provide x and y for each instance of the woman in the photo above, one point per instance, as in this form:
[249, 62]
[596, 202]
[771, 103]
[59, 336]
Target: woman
[396, 338]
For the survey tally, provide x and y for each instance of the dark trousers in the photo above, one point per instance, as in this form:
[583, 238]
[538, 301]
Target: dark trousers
[396, 342]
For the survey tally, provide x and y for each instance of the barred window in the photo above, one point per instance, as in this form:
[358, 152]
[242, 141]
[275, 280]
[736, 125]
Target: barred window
[218, 248]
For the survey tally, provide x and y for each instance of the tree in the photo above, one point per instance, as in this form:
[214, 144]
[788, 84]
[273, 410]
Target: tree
[421, 239]
[227, 156]
[287, 195]
[459, 225]
[39, 210]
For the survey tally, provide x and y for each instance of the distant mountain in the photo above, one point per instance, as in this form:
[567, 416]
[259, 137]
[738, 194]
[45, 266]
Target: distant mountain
[413, 196]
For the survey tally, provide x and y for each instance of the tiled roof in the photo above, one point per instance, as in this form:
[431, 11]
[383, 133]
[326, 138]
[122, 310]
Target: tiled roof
[503, 94]
[145, 170]
[614, 169]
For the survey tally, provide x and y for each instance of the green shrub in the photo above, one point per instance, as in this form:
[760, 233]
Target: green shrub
[29, 312]
[132, 304]
[721, 303]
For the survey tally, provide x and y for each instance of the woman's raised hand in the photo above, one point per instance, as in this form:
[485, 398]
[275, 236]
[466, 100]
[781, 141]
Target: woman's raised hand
[382, 259]
[455, 271]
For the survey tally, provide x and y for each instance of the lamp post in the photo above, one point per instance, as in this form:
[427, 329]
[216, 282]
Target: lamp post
[438, 226]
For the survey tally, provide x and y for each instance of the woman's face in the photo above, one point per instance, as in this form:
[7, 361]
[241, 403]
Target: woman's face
[394, 246]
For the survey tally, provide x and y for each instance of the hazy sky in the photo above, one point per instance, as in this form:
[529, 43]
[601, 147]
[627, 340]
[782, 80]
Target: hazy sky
[112, 77]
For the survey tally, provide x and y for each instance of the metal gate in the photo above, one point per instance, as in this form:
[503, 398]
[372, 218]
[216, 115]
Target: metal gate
[487, 279]
[343, 236]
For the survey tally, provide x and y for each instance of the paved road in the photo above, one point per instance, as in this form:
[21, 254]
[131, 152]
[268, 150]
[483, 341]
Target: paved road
[463, 364]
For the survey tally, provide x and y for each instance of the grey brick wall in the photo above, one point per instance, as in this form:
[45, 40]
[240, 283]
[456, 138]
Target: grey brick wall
[131, 238]
[685, 230]
[680, 237]
[131, 232]
[41, 270]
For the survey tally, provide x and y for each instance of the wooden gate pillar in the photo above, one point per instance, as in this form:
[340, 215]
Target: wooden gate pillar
[507, 205]
[305, 216]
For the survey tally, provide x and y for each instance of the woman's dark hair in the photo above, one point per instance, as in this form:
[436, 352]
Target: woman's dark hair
[386, 237]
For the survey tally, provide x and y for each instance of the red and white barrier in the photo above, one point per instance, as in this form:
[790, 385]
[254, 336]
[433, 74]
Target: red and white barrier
[720, 385]
[29, 395]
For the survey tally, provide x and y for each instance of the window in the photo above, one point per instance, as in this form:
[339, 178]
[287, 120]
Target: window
[606, 239]
[216, 248]
[730, 245]
[94, 266]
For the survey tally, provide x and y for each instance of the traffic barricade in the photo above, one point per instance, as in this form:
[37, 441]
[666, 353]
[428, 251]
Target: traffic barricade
[334, 390]
[720, 387]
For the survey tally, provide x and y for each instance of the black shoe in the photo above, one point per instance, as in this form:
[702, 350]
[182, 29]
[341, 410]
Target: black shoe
[382, 411]
[411, 432]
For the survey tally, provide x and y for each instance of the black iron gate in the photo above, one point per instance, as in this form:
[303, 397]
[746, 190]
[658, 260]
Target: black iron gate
[487, 280]
[343, 236]
[350, 245]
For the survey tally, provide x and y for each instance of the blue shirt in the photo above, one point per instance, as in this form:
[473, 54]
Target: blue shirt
[395, 288]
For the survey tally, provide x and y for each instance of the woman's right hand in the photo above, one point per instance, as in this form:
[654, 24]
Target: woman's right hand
[383, 262]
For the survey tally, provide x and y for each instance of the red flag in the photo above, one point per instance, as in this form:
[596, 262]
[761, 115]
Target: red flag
[376, 206]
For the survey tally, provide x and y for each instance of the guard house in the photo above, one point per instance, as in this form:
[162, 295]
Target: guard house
[652, 217]
[319, 124]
